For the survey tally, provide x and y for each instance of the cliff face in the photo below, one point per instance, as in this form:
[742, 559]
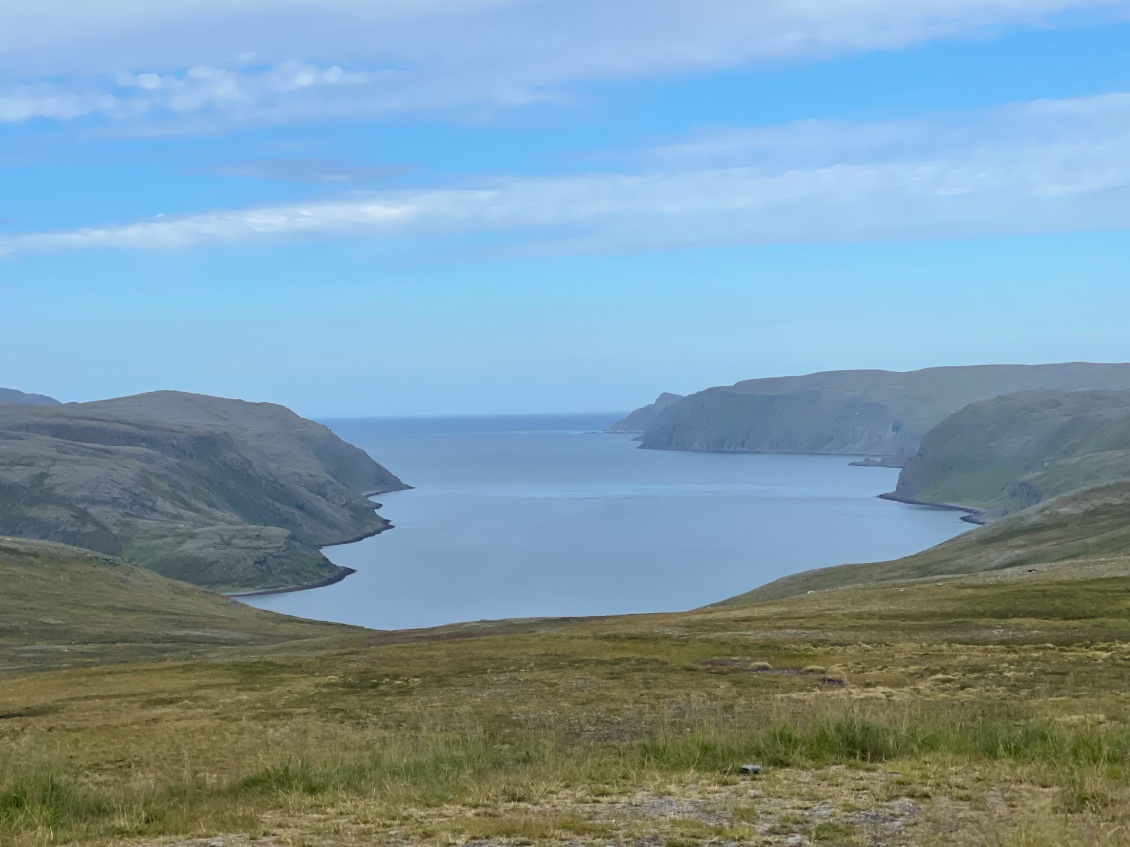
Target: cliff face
[11, 397]
[216, 492]
[641, 419]
[1009, 453]
[853, 412]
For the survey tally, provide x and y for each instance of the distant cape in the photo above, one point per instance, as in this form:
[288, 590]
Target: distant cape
[875, 413]
[641, 419]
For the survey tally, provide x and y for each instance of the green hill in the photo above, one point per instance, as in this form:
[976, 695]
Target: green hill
[221, 493]
[1087, 531]
[1006, 454]
[65, 607]
[854, 412]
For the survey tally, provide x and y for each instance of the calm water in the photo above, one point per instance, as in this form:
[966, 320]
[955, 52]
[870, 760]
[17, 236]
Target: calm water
[532, 516]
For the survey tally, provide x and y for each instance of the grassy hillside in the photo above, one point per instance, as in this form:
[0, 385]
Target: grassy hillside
[1086, 531]
[853, 412]
[1011, 452]
[973, 713]
[64, 607]
[220, 493]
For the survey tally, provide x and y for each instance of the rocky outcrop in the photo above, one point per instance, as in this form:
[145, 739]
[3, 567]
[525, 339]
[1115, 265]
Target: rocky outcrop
[221, 493]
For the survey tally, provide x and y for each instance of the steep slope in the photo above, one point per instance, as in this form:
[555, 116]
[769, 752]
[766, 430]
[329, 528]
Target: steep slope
[642, 419]
[854, 412]
[11, 397]
[1006, 454]
[220, 493]
[1087, 531]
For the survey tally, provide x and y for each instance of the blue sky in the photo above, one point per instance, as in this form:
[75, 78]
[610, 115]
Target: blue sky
[476, 206]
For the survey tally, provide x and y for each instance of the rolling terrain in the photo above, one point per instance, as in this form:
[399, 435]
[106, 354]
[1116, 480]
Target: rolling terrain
[978, 711]
[853, 412]
[220, 493]
[973, 694]
[64, 607]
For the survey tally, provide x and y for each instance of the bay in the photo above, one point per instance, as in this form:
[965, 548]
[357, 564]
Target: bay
[531, 516]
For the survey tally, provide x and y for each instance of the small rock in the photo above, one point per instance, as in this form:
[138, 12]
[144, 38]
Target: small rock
[749, 770]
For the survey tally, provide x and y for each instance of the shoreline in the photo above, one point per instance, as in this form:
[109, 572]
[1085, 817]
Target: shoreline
[977, 517]
[833, 455]
[343, 572]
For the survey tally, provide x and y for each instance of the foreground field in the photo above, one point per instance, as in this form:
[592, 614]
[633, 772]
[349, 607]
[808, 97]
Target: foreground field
[985, 710]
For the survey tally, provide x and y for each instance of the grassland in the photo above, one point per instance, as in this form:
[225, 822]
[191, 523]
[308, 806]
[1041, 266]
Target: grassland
[987, 709]
[62, 607]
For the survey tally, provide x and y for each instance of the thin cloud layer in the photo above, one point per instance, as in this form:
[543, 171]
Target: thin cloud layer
[288, 60]
[1051, 166]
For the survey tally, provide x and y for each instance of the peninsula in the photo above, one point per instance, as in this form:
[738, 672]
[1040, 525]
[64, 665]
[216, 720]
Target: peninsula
[226, 494]
[873, 413]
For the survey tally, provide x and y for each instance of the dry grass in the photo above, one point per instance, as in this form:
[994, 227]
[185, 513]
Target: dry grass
[990, 713]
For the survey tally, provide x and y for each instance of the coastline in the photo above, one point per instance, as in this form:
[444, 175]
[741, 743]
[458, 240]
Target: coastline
[343, 572]
[855, 454]
[977, 517]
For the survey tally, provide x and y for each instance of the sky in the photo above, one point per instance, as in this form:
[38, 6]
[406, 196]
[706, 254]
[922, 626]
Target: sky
[418, 207]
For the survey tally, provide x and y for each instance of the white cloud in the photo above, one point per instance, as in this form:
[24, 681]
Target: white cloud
[287, 89]
[1053, 166]
[265, 59]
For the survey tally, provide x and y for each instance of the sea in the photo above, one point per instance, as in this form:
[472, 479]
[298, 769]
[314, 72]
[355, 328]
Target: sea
[544, 515]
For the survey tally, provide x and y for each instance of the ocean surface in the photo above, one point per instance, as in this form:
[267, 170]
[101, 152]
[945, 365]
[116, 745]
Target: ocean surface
[530, 516]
